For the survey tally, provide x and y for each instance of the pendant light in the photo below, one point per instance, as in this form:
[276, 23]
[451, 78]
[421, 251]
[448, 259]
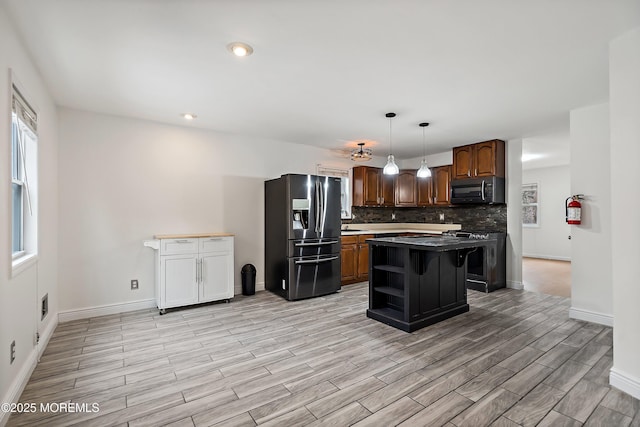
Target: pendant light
[390, 168]
[424, 171]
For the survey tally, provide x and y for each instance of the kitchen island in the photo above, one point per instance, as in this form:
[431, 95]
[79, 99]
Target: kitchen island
[416, 281]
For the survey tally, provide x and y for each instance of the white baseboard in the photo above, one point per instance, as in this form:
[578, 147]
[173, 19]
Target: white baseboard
[19, 383]
[104, 310]
[591, 316]
[551, 257]
[46, 335]
[260, 286]
[514, 285]
[624, 382]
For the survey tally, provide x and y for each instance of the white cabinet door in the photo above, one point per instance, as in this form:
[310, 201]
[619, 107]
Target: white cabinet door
[179, 281]
[216, 276]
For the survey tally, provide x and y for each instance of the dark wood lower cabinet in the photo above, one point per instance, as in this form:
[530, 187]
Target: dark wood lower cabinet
[349, 262]
[355, 258]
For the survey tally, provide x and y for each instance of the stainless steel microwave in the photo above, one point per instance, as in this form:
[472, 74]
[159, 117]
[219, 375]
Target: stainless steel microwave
[488, 190]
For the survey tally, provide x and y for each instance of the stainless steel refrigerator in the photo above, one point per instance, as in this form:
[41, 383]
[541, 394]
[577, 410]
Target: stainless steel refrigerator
[302, 235]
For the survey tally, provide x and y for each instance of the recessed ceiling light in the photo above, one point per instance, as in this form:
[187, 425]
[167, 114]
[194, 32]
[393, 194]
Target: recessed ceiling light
[240, 49]
[189, 116]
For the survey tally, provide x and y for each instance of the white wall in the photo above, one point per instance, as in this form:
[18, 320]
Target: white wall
[124, 180]
[549, 239]
[591, 270]
[20, 295]
[513, 182]
[433, 160]
[624, 69]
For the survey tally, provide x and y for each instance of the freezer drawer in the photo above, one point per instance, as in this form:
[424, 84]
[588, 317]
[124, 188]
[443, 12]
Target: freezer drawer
[312, 276]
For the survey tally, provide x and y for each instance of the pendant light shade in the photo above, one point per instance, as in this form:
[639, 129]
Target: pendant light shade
[390, 168]
[424, 171]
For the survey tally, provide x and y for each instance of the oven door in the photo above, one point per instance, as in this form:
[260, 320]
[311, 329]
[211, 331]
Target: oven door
[313, 276]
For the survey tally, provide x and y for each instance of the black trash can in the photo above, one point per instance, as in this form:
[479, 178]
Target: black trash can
[248, 279]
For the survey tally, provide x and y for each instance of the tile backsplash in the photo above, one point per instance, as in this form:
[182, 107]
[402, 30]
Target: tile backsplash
[474, 217]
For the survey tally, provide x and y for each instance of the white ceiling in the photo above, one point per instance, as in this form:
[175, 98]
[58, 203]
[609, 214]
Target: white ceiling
[325, 72]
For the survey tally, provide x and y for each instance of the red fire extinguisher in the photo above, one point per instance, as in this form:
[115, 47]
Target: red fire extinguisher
[573, 209]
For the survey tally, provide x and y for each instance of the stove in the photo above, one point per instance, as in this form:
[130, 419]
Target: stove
[486, 267]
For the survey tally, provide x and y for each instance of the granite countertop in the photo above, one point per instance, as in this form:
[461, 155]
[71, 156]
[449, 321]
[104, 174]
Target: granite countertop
[429, 243]
[393, 228]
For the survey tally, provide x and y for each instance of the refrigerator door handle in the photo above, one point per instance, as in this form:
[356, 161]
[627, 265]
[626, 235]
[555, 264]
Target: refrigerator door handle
[322, 211]
[317, 207]
[330, 242]
[316, 261]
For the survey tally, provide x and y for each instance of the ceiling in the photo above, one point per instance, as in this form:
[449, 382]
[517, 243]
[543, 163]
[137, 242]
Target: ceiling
[324, 73]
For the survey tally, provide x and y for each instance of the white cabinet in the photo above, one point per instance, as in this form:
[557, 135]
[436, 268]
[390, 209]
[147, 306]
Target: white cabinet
[193, 270]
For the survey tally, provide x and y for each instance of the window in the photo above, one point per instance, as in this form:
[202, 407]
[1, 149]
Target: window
[24, 145]
[345, 187]
[530, 214]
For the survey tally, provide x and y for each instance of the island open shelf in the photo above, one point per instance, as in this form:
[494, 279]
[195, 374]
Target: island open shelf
[417, 281]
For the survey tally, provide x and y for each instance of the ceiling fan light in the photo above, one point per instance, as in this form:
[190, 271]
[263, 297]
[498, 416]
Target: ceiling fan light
[424, 171]
[391, 168]
[360, 157]
[361, 154]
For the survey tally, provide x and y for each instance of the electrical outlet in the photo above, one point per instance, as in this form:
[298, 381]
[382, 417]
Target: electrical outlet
[441, 217]
[134, 284]
[45, 306]
[12, 352]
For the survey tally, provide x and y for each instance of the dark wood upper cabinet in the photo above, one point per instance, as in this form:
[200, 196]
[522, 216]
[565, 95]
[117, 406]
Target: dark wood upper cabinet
[463, 162]
[366, 186]
[478, 160]
[406, 191]
[372, 188]
[425, 192]
[387, 189]
[441, 185]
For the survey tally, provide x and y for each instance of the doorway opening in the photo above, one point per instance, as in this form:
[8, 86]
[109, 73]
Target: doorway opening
[546, 239]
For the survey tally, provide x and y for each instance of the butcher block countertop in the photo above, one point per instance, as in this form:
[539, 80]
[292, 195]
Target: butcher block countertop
[190, 236]
[397, 227]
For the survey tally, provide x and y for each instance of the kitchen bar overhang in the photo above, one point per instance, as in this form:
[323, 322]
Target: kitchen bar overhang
[417, 281]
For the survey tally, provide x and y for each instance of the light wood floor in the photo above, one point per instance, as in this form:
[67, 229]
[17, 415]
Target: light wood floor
[514, 359]
[547, 276]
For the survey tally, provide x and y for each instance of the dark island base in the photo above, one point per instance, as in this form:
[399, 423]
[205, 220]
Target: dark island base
[416, 282]
[386, 316]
